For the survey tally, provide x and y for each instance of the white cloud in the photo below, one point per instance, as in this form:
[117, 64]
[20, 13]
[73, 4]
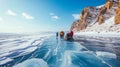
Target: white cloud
[76, 16]
[10, 12]
[27, 16]
[55, 17]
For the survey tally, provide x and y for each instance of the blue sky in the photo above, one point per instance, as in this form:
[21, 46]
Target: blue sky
[41, 15]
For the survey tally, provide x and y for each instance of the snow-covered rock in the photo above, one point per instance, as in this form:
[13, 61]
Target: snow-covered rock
[98, 20]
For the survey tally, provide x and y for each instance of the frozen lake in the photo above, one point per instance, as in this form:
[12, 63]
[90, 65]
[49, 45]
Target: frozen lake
[55, 52]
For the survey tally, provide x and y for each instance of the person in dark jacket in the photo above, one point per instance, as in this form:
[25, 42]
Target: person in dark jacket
[56, 34]
[69, 36]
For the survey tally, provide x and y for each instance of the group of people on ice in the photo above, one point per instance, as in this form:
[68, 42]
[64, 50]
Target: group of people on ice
[68, 37]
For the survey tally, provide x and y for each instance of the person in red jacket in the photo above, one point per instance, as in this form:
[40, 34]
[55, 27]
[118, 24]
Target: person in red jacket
[71, 33]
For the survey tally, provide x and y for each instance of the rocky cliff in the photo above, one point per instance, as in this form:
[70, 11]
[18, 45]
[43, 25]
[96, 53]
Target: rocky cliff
[98, 18]
[117, 16]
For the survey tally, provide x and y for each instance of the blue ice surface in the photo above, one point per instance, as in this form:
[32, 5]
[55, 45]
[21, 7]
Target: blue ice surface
[56, 52]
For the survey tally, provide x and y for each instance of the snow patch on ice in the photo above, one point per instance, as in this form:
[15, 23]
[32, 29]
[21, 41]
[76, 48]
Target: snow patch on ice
[102, 34]
[5, 60]
[35, 62]
[106, 54]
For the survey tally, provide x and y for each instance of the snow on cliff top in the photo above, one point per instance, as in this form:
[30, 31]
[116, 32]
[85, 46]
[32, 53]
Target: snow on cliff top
[107, 29]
